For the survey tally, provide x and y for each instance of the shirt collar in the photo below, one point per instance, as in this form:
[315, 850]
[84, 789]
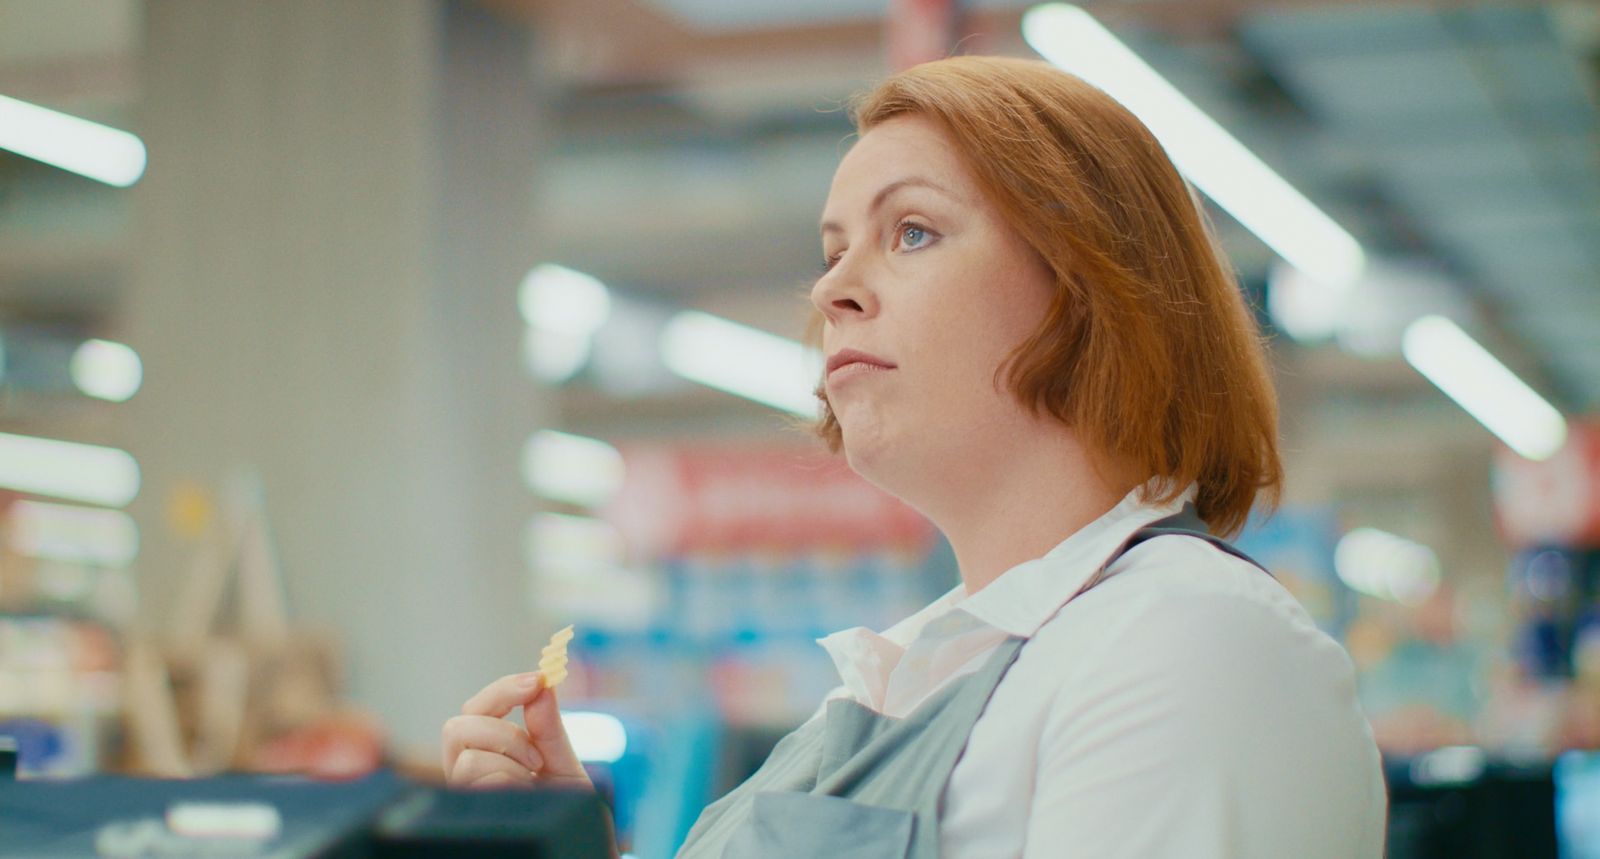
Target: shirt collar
[1017, 603]
[865, 658]
[1027, 595]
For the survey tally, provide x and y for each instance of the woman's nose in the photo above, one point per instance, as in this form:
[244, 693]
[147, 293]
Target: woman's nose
[841, 293]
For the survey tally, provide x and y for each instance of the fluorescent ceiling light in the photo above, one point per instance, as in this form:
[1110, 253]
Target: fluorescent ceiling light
[563, 308]
[106, 370]
[69, 470]
[554, 296]
[71, 534]
[87, 148]
[557, 541]
[555, 356]
[1479, 383]
[1301, 307]
[571, 468]
[1214, 161]
[596, 737]
[1383, 565]
[743, 361]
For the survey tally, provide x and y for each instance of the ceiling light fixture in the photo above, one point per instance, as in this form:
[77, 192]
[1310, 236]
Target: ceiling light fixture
[743, 361]
[563, 308]
[572, 468]
[106, 370]
[1213, 159]
[1479, 383]
[86, 148]
[69, 470]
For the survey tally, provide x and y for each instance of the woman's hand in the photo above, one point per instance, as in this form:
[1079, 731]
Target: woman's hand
[482, 749]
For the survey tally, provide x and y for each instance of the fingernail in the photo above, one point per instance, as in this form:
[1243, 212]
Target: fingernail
[529, 680]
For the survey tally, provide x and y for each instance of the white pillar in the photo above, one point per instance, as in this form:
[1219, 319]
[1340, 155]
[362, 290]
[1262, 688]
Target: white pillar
[327, 247]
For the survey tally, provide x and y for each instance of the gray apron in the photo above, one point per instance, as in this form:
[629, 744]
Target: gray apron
[856, 784]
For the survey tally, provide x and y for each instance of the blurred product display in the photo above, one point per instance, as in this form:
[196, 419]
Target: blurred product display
[1454, 802]
[81, 693]
[59, 692]
[256, 694]
[62, 657]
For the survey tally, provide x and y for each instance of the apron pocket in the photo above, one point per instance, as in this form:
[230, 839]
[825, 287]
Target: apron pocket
[789, 825]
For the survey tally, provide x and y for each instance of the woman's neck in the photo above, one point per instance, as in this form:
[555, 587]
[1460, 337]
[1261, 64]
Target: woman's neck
[1030, 498]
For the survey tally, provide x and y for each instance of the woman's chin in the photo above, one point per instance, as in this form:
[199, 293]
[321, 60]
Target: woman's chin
[869, 455]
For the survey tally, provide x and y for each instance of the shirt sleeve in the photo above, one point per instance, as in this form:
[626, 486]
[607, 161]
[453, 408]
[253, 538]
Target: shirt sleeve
[1212, 725]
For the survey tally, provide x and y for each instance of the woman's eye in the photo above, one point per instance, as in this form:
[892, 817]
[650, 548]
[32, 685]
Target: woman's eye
[828, 262]
[913, 236]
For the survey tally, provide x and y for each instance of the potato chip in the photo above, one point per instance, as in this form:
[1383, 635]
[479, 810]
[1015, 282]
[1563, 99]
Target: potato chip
[553, 658]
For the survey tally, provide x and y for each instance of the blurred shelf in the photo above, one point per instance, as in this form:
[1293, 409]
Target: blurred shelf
[56, 693]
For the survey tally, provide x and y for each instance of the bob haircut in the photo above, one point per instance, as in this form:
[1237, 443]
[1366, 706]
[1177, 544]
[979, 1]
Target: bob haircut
[1147, 351]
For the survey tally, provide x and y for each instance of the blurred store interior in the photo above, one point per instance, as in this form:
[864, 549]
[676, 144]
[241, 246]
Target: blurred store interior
[383, 338]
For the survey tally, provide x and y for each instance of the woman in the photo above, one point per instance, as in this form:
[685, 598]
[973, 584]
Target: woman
[1032, 339]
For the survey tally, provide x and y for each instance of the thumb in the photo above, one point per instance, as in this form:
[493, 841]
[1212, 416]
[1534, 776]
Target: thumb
[542, 717]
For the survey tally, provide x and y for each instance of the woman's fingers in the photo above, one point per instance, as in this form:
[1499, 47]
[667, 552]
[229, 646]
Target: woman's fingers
[499, 779]
[478, 768]
[503, 695]
[480, 733]
[542, 717]
[548, 753]
[489, 734]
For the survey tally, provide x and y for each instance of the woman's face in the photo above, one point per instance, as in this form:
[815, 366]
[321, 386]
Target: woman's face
[934, 291]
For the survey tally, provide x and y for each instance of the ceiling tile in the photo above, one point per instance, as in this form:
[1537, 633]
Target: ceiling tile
[1365, 89]
[1486, 158]
[1344, 30]
[1499, 24]
[1535, 71]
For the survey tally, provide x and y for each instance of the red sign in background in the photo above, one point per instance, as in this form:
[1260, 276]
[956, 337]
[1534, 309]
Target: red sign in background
[1555, 501]
[679, 501]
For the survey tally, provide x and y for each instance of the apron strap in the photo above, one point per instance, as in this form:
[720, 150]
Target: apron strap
[1185, 522]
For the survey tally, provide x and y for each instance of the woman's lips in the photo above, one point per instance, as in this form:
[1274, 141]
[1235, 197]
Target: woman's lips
[853, 369]
[847, 363]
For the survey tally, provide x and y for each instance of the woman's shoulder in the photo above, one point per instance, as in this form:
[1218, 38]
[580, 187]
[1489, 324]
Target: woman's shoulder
[1204, 661]
[1180, 610]
[1177, 565]
[1192, 687]
[1188, 575]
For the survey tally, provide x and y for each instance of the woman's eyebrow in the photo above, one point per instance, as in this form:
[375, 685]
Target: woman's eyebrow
[888, 190]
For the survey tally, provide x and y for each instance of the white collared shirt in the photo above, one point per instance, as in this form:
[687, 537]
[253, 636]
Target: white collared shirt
[1186, 706]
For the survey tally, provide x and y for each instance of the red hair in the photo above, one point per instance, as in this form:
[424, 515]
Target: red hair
[1148, 350]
